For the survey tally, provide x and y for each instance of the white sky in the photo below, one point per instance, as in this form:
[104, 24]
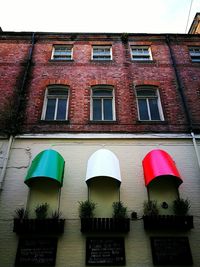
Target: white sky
[136, 16]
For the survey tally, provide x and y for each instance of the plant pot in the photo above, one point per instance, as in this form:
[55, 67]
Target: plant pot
[41, 226]
[121, 225]
[182, 223]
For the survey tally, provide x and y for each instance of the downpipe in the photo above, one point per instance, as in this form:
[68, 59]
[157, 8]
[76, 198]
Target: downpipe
[5, 162]
[196, 148]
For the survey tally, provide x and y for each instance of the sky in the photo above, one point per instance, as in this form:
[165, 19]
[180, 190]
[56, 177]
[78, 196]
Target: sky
[131, 16]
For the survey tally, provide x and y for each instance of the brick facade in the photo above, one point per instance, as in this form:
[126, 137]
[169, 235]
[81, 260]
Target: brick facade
[81, 73]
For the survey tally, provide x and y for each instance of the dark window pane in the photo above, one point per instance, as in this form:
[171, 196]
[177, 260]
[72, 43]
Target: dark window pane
[58, 91]
[51, 103]
[107, 106]
[146, 92]
[102, 93]
[143, 111]
[153, 105]
[61, 110]
[97, 109]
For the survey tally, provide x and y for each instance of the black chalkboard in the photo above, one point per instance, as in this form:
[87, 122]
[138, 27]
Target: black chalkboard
[36, 252]
[171, 251]
[105, 251]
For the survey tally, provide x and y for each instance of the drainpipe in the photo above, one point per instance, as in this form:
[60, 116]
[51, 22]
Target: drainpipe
[179, 83]
[196, 148]
[5, 162]
[11, 139]
[181, 91]
[28, 64]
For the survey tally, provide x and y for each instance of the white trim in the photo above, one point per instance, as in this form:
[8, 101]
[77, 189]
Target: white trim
[160, 110]
[141, 47]
[101, 46]
[103, 87]
[56, 106]
[106, 136]
[65, 59]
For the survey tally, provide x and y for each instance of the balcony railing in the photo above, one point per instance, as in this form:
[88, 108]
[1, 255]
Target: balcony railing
[121, 225]
[182, 223]
[39, 226]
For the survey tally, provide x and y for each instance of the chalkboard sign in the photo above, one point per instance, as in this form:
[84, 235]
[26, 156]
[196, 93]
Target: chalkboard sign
[105, 251]
[171, 251]
[36, 252]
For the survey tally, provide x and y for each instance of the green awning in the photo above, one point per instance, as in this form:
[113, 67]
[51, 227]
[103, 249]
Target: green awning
[48, 164]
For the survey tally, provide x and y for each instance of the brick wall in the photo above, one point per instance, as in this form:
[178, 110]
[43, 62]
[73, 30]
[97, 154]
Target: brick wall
[82, 73]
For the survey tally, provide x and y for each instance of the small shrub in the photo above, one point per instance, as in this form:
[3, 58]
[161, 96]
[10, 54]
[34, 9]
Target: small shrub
[56, 214]
[181, 206]
[41, 211]
[86, 209]
[150, 208]
[119, 211]
[21, 213]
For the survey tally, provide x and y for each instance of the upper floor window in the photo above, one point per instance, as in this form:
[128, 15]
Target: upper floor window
[55, 103]
[149, 105]
[195, 54]
[142, 53]
[102, 104]
[62, 52]
[102, 53]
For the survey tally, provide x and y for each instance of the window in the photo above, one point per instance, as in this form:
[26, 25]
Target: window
[142, 53]
[62, 52]
[102, 104]
[55, 103]
[102, 53]
[195, 54]
[149, 106]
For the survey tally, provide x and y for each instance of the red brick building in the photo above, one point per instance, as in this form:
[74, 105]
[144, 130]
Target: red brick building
[105, 117]
[28, 68]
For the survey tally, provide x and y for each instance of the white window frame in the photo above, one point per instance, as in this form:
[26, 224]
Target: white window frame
[108, 88]
[100, 55]
[140, 56]
[157, 95]
[67, 57]
[46, 97]
[195, 55]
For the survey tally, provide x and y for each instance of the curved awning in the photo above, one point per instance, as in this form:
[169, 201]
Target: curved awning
[48, 164]
[103, 163]
[158, 163]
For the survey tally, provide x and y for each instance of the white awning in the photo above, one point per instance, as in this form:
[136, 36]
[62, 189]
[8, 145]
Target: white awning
[103, 163]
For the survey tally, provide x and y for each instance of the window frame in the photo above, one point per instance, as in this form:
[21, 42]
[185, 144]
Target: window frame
[46, 97]
[195, 57]
[101, 59]
[159, 105]
[139, 56]
[62, 58]
[99, 88]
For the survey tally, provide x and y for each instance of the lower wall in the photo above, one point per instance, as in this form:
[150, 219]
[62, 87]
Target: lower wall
[76, 152]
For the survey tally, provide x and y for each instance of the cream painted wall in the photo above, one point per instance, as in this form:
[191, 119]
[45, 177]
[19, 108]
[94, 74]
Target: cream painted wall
[103, 192]
[164, 190]
[43, 192]
[130, 152]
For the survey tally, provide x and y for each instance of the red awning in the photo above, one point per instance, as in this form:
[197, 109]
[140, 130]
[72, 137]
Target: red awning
[158, 163]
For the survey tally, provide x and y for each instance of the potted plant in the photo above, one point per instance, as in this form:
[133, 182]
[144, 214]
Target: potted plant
[121, 222]
[180, 221]
[21, 213]
[150, 208]
[86, 214]
[41, 224]
[86, 209]
[181, 206]
[41, 211]
[119, 211]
